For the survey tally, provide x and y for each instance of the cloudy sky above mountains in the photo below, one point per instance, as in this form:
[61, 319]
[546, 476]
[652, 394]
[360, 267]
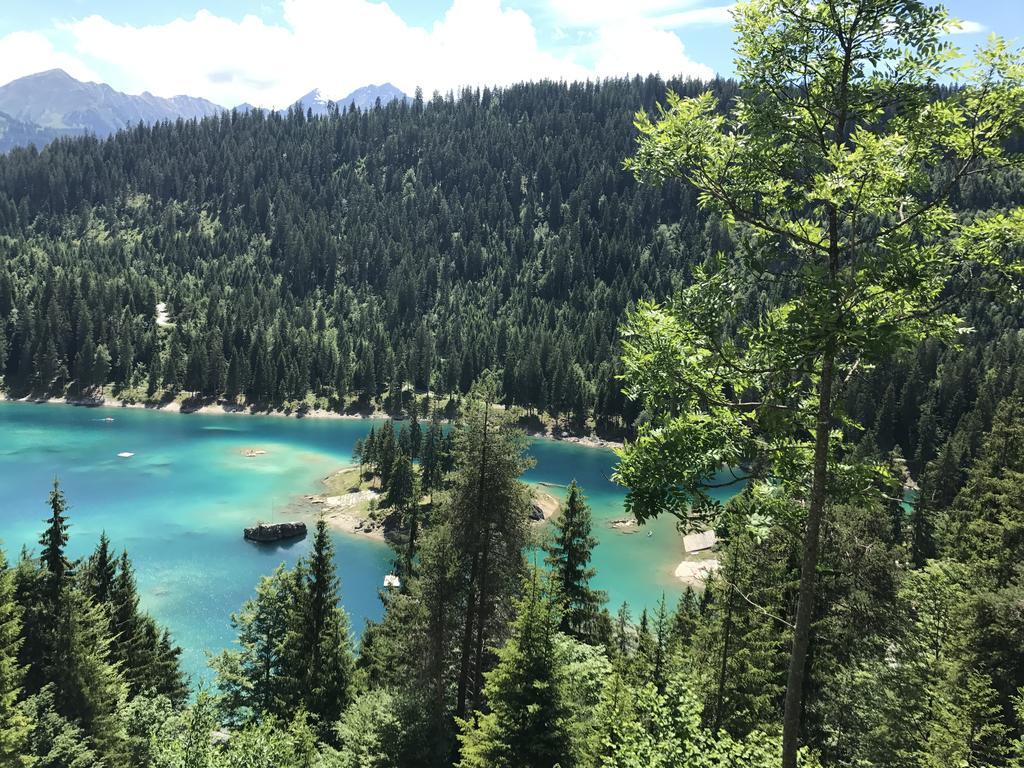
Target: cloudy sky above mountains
[270, 52]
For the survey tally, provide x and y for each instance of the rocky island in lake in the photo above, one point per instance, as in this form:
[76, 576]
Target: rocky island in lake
[267, 532]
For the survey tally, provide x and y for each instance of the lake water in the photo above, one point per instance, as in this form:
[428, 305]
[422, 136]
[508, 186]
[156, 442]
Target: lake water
[179, 504]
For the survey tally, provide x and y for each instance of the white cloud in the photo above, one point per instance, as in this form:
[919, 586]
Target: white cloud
[204, 56]
[24, 53]
[638, 47]
[338, 45]
[966, 28]
[634, 37]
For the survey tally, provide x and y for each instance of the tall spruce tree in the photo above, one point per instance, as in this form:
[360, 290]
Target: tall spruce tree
[439, 590]
[488, 507]
[432, 459]
[527, 722]
[403, 496]
[568, 556]
[100, 572]
[15, 725]
[385, 450]
[984, 528]
[318, 644]
[54, 540]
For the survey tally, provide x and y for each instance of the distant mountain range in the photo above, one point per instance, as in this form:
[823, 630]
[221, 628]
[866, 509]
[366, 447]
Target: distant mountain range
[39, 108]
[55, 100]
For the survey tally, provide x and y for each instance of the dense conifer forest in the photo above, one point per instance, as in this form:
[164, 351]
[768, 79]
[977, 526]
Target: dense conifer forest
[835, 319]
[343, 261]
[321, 260]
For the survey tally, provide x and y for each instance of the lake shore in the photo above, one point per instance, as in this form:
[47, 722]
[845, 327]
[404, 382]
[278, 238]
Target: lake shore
[181, 503]
[695, 573]
[354, 518]
[348, 513]
[226, 409]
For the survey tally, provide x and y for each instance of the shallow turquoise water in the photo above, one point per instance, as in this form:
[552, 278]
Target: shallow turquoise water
[180, 503]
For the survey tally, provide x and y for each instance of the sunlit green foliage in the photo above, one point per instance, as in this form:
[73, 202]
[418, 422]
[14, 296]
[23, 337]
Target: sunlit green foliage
[825, 168]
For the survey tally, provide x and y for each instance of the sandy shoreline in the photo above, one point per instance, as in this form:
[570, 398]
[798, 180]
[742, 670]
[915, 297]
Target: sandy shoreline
[175, 406]
[345, 513]
[695, 573]
[216, 409]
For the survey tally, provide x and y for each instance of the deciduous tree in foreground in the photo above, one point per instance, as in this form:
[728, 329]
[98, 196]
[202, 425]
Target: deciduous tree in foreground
[836, 168]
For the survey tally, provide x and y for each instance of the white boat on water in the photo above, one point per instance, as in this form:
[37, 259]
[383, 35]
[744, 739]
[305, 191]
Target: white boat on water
[125, 455]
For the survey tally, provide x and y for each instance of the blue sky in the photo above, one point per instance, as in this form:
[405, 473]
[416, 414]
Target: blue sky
[270, 52]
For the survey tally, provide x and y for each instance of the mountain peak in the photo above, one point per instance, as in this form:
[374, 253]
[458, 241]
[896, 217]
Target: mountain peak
[51, 74]
[363, 98]
[317, 96]
[56, 101]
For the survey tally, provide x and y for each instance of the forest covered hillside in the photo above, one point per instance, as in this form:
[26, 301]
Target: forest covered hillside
[347, 255]
[350, 256]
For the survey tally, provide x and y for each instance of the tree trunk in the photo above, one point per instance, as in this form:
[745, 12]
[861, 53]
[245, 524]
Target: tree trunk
[481, 618]
[467, 635]
[467, 639]
[808, 567]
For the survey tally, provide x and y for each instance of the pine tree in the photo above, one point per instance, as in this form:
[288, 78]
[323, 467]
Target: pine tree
[359, 453]
[404, 441]
[253, 680]
[100, 572]
[659, 657]
[489, 511]
[432, 461]
[66, 646]
[318, 647]
[939, 485]
[685, 620]
[646, 650]
[415, 433]
[527, 722]
[15, 725]
[370, 449]
[100, 368]
[439, 589]
[54, 540]
[984, 521]
[622, 634]
[403, 496]
[402, 486]
[568, 555]
[385, 450]
[89, 687]
[146, 656]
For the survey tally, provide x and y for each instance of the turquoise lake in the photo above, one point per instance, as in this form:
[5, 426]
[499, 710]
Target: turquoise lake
[179, 504]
